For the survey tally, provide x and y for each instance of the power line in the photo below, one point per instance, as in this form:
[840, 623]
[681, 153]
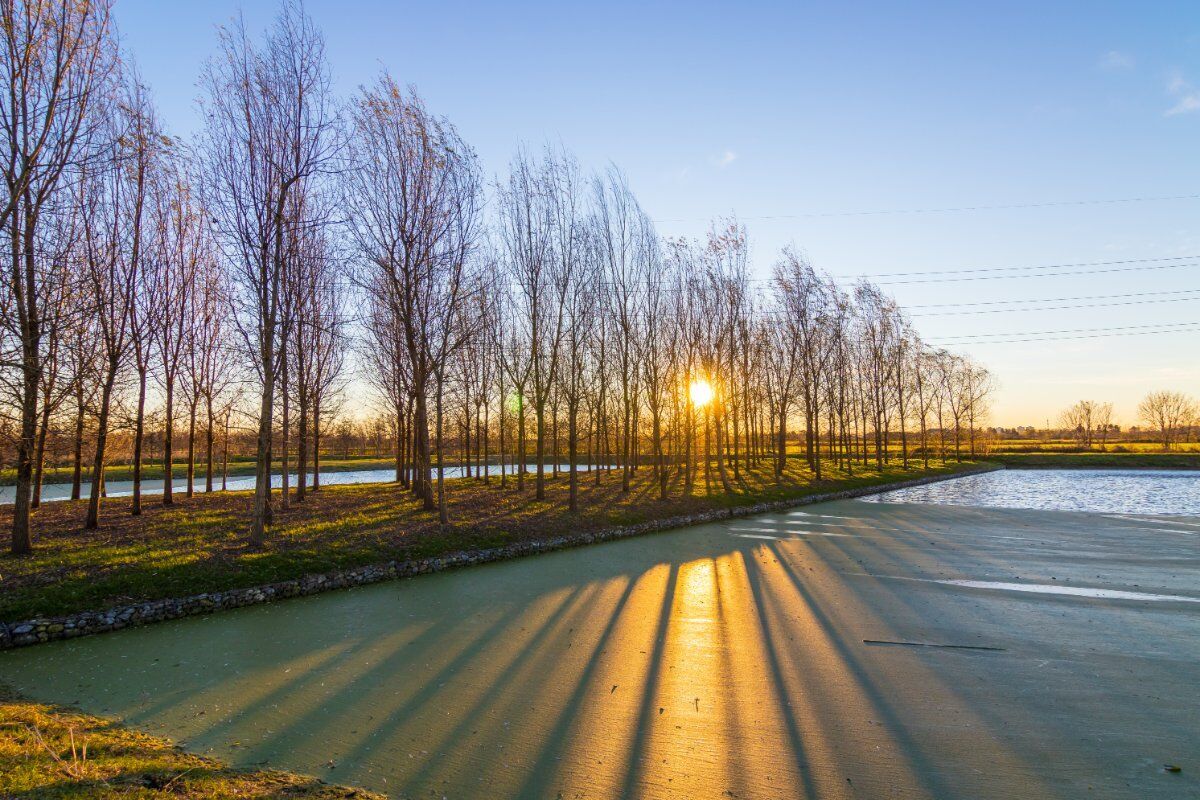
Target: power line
[1054, 299]
[1076, 330]
[1020, 268]
[1147, 264]
[1144, 268]
[1068, 338]
[949, 209]
[1055, 308]
[1083, 333]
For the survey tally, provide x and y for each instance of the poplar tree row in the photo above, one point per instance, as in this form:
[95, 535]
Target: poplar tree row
[516, 326]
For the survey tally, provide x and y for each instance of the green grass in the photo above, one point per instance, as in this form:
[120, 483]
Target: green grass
[43, 756]
[1137, 460]
[199, 545]
[1072, 446]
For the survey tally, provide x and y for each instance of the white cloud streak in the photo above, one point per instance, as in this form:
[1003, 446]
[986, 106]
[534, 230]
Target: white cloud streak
[1117, 60]
[725, 159]
[1187, 96]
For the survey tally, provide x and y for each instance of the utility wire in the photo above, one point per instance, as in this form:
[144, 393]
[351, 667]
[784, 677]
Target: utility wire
[949, 209]
[953, 275]
[1076, 330]
[1066, 338]
[1054, 299]
[1021, 268]
[1054, 308]
[1085, 333]
[1143, 268]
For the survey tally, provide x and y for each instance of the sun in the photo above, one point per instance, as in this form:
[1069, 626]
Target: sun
[701, 392]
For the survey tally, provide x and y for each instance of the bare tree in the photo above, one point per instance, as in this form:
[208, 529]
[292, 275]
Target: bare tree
[804, 303]
[112, 207]
[61, 317]
[57, 56]
[270, 129]
[580, 318]
[210, 353]
[619, 225]
[540, 229]
[980, 385]
[183, 236]
[1104, 423]
[1167, 412]
[1078, 420]
[653, 343]
[414, 195]
[317, 347]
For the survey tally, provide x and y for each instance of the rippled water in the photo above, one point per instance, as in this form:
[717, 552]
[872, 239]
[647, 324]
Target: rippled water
[1115, 491]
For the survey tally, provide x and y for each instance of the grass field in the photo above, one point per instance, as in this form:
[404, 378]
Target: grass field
[199, 544]
[51, 752]
[1094, 460]
[1071, 446]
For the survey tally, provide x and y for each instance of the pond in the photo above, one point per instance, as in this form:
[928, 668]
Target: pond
[1106, 491]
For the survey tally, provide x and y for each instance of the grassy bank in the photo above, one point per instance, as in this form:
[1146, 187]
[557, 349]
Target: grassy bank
[199, 544]
[52, 752]
[1143, 460]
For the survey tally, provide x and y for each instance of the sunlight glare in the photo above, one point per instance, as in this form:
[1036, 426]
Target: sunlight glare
[701, 392]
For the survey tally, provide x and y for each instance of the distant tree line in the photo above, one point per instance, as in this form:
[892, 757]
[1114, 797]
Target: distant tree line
[1169, 417]
[163, 293]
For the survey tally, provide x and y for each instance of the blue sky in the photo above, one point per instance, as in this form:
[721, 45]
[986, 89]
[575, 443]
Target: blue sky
[778, 110]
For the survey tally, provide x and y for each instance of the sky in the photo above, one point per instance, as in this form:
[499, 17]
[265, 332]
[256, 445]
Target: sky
[990, 135]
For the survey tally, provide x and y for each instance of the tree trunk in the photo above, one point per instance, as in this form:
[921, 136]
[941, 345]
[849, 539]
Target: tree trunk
[191, 451]
[302, 447]
[660, 464]
[572, 452]
[208, 445]
[400, 437]
[262, 518]
[39, 458]
[23, 223]
[422, 483]
[316, 443]
[689, 474]
[443, 516]
[22, 539]
[540, 414]
[500, 441]
[168, 446]
[487, 466]
[626, 422]
[285, 478]
[93, 512]
[77, 471]
[520, 441]
[781, 457]
[721, 471]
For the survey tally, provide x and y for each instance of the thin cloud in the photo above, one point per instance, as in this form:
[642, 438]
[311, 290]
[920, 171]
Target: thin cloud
[1117, 60]
[725, 159]
[1187, 96]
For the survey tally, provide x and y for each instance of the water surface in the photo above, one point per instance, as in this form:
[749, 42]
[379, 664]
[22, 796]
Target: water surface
[700, 663]
[1107, 491]
[62, 491]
